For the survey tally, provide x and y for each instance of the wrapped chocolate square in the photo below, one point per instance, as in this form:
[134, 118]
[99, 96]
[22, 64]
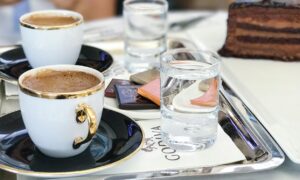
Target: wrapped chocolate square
[110, 90]
[129, 99]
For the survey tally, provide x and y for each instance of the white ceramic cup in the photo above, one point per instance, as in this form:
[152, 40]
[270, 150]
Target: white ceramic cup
[50, 44]
[61, 124]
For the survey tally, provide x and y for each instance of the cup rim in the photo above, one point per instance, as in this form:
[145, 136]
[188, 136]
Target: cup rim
[62, 95]
[53, 27]
[216, 58]
[126, 3]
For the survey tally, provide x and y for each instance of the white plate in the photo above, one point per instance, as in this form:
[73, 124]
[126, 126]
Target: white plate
[271, 89]
[111, 103]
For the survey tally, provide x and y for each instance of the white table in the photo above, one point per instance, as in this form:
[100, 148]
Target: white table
[287, 171]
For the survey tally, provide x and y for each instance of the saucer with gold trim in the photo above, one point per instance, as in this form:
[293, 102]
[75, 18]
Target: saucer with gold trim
[118, 138]
[13, 62]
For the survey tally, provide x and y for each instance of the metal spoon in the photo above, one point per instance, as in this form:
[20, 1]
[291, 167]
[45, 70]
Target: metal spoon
[182, 25]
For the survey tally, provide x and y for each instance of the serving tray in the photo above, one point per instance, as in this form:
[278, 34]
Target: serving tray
[245, 130]
[259, 148]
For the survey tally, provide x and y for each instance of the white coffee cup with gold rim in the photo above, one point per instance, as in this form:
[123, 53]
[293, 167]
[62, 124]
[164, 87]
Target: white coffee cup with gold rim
[61, 124]
[51, 37]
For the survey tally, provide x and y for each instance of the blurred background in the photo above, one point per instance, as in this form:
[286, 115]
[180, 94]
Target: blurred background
[11, 10]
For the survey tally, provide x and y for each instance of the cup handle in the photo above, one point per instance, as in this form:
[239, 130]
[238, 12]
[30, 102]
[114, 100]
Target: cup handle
[83, 113]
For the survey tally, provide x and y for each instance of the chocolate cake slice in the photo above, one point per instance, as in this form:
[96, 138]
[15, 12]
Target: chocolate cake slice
[264, 29]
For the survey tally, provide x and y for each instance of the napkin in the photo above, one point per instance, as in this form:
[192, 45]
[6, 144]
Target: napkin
[156, 156]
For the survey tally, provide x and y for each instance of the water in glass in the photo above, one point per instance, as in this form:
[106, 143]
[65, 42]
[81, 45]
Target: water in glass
[145, 34]
[189, 104]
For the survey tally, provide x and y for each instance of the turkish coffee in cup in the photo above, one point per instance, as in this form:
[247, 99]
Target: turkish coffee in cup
[61, 107]
[49, 20]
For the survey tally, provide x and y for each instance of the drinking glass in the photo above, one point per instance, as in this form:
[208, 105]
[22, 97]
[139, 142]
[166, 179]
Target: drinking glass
[145, 33]
[190, 81]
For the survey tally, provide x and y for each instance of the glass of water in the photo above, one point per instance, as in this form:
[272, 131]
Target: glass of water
[190, 81]
[145, 33]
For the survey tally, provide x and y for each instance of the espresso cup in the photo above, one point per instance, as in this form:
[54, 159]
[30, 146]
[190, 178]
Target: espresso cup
[51, 37]
[61, 106]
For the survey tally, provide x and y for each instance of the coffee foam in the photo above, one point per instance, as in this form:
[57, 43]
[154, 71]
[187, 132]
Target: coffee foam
[60, 81]
[50, 19]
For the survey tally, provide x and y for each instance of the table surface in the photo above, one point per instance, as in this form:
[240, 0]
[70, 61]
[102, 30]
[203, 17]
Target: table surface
[287, 171]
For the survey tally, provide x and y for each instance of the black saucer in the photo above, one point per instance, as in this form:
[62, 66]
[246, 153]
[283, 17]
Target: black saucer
[89, 56]
[117, 138]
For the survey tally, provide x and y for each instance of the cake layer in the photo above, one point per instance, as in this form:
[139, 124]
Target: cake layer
[268, 40]
[266, 48]
[263, 7]
[286, 29]
[257, 33]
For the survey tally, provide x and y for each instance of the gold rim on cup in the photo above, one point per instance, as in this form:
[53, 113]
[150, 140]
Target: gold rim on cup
[65, 95]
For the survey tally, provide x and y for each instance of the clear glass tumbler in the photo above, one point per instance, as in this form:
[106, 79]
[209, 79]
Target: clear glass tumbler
[190, 81]
[145, 33]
